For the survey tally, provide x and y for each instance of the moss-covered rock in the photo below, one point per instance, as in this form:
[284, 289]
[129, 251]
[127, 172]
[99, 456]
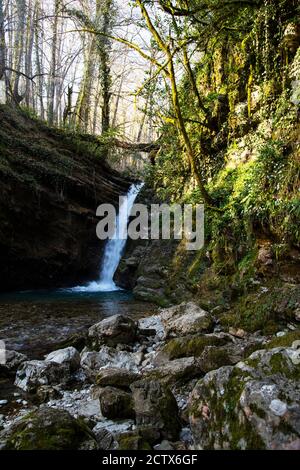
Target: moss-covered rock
[133, 441]
[253, 405]
[113, 377]
[155, 407]
[47, 429]
[116, 403]
[284, 341]
[192, 345]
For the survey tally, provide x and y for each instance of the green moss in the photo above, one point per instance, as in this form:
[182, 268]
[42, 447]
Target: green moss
[60, 431]
[190, 346]
[284, 341]
[133, 442]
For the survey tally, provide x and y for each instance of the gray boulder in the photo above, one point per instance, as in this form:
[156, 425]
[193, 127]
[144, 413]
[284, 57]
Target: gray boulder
[179, 370]
[155, 407]
[33, 374]
[47, 429]
[112, 331]
[186, 319]
[69, 356]
[116, 403]
[13, 360]
[107, 357]
[116, 377]
[253, 405]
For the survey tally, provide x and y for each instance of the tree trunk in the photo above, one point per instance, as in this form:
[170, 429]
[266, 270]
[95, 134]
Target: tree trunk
[39, 59]
[52, 76]
[19, 47]
[105, 9]
[28, 56]
[2, 42]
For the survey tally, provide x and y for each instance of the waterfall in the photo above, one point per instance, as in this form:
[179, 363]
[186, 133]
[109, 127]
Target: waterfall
[114, 247]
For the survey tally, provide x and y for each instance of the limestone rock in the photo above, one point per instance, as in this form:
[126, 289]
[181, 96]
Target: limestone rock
[179, 370]
[188, 346]
[253, 405]
[112, 331]
[33, 374]
[186, 319]
[116, 377]
[155, 407]
[68, 356]
[115, 403]
[13, 360]
[46, 429]
[107, 357]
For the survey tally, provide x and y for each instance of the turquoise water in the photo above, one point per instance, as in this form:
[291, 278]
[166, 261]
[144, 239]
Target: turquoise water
[35, 322]
[65, 295]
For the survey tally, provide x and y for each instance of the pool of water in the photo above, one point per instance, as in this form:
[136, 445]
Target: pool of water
[35, 322]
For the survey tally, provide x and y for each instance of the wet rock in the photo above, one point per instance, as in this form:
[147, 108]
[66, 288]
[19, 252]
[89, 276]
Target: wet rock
[155, 407]
[116, 403]
[46, 429]
[253, 405]
[112, 331]
[186, 319]
[179, 370]
[116, 377]
[33, 374]
[69, 356]
[13, 360]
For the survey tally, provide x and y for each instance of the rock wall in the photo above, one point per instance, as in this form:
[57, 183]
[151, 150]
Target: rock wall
[51, 185]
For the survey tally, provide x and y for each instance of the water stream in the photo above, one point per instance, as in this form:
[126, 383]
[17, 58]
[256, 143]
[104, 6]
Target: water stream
[34, 322]
[114, 247]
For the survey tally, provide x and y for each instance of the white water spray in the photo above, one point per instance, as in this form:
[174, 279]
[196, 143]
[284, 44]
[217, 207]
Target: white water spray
[114, 248]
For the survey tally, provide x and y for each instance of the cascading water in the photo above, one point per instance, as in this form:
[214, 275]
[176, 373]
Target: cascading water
[114, 248]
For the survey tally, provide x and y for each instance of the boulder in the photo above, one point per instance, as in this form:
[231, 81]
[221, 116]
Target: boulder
[155, 407]
[186, 319]
[116, 403]
[152, 323]
[252, 405]
[108, 432]
[13, 360]
[116, 377]
[107, 357]
[179, 370]
[188, 346]
[46, 429]
[33, 374]
[112, 331]
[69, 356]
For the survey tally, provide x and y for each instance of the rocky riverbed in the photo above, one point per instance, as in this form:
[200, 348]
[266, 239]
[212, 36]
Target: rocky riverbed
[175, 380]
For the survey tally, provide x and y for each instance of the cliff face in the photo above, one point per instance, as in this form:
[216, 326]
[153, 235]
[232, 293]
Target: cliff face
[51, 185]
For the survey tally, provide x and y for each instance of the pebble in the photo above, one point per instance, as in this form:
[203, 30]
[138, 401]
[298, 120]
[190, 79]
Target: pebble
[3, 402]
[280, 334]
[278, 407]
